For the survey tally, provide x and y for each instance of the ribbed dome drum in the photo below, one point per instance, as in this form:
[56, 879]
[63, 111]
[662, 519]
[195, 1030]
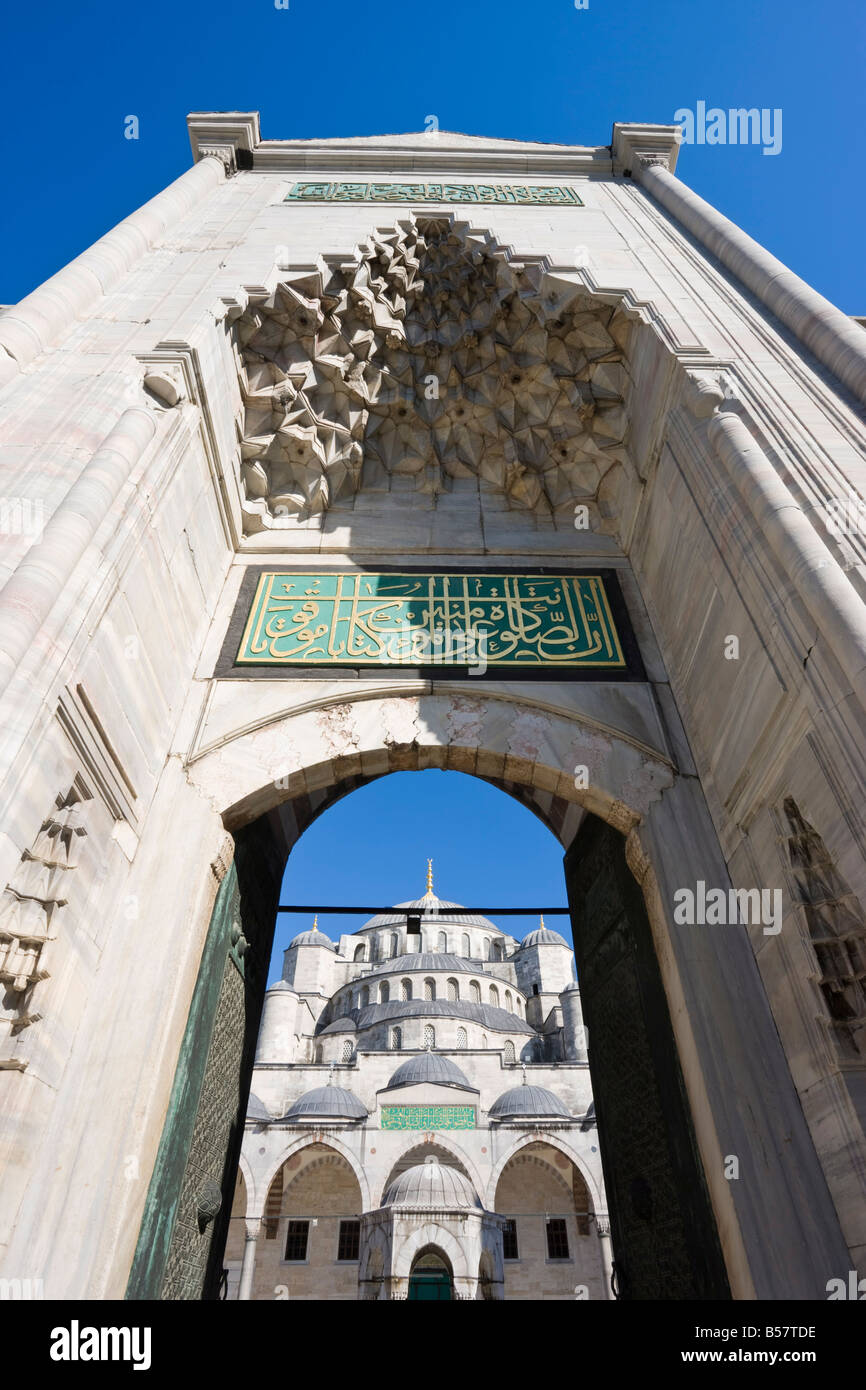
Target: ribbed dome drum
[431, 1184]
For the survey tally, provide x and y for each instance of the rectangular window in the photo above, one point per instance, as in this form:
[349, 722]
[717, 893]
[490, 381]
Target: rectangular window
[509, 1241]
[557, 1239]
[349, 1246]
[296, 1240]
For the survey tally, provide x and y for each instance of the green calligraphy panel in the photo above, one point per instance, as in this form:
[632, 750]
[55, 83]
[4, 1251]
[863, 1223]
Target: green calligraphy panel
[428, 1117]
[476, 621]
[411, 192]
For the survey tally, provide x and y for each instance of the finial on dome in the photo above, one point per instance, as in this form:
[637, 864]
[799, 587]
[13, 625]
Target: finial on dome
[316, 922]
[541, 920]
[429, 878]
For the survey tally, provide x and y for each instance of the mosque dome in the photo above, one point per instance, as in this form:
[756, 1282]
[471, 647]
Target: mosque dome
[432, 1067]
[431, 1184]
[528, 1101]
[543, 936]
[313, 937]
[327, 1103]
[440, 909]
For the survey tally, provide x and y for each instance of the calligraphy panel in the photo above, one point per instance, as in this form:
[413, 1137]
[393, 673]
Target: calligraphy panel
[428, 1117]
[472, 621]
[410, 192]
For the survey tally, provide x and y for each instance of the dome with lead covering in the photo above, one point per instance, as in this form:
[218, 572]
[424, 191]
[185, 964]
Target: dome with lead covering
[432, 1067]
[432, 1184]
[528, 1101]
[327, 1103]
[313, 937]
[543, 936]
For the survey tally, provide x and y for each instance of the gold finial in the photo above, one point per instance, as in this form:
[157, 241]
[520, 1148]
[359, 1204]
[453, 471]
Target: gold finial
[430, 877]
[316, 922]
[541, 920]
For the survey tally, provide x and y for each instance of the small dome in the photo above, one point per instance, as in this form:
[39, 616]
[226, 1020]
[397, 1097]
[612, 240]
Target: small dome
[533, 1101]
[313, 937]
[255, 1109]
[573, 988]
[429, 1066]
[431, 1184]
[543, 936]
[327, 1102]
[283, 986]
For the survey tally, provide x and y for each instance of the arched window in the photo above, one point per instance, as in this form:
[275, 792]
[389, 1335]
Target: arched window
[483, 1039]
[466, 947]
[508, 1000]
[453, 990]
[359, 953]
[461, 1037]
[429, 989]
[442, 942]
[396, 1039]
[508, 1053]
[319, 1055]
[475, 992]
[406, 987]
[485, 948]
[494, 996]
[384, 992]
[347, 1051]
[395, 943]
[429, 1035]
[365, 996]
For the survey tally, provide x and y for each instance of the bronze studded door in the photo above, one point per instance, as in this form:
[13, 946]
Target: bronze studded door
[183, 1232]
[665, 1242]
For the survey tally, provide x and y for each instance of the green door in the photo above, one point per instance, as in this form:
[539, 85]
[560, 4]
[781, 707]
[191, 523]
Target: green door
[431, 1283]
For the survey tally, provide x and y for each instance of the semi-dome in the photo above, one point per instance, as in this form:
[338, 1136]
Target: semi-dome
[432, 1067]
[327, 1103]
[431, 1184]
[528, 1101]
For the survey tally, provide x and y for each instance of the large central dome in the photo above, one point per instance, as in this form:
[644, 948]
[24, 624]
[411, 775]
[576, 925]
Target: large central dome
[439, 909]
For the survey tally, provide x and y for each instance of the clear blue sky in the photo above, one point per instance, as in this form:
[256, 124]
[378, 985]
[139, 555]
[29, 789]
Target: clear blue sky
[372, 848]
[540, 71]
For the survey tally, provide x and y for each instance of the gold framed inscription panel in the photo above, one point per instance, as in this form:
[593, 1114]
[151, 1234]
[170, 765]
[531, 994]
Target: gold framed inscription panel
[534, 624]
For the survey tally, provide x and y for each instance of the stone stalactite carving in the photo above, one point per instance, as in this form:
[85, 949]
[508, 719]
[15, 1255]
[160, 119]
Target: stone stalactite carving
[29, 906]
[434, 357]
[837, 930]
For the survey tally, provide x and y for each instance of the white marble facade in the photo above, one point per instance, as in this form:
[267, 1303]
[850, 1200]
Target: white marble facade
[374, 1029]
[710, 406]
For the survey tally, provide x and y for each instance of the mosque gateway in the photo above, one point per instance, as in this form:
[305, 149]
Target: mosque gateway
[347, 457]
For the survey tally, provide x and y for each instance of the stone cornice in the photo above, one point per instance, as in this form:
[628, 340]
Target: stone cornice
[644, 145]
[224, 134]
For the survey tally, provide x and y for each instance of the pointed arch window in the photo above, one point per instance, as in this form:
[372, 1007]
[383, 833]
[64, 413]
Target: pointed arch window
[442, 943]
[406, 988]
[429, 1035]
[395, 944]
[396, 1039]
[466, 946]
[429, 989]
[508, 1053]
[348, 1052]
[494, 996]
[483, 1039]
[461, 1038]
[384, 992]
[453, 991]
[475, 992]
[365, 996]
[319, 1056]
[508, 1000]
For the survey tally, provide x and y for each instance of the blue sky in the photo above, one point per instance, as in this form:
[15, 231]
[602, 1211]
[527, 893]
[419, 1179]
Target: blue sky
[542, 71]
[372, 848]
